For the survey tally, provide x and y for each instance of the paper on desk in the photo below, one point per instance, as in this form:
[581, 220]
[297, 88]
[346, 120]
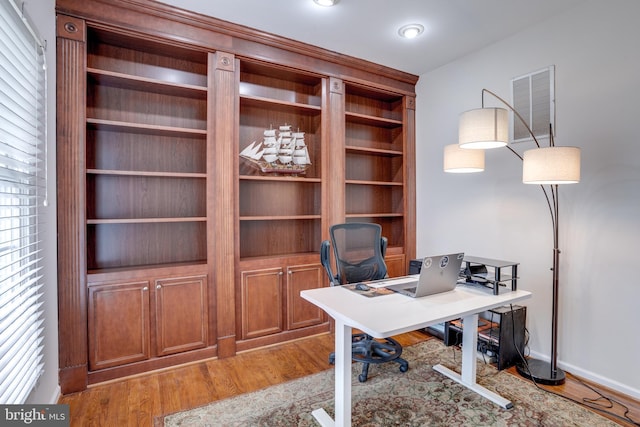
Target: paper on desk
[371, 292]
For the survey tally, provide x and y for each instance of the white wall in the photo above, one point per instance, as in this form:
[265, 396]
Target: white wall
[594, 49]
[42, 14]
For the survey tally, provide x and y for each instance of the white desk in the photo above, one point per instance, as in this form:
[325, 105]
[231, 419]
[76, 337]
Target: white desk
[388, 315]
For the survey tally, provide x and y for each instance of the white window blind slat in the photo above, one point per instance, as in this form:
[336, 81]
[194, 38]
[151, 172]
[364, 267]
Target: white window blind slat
[17, 163]
[28, 359]
[22, 198]
[17, 186]
[15, 224]
[21, 345]
[16, 328]
[18, 345]
[13, 282]
[9, 175]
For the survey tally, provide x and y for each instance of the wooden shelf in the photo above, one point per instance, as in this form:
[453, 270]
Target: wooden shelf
[381, 183]
[296, 257]
[372, 120]
[275, 84]
[269, 237]
[375, 215]
[115, 125]
[374, 106]
[99, 275]
[146, 58]
[373, 138]
[145, 220]
[279, 218]
[133, 82]
[146, 173]
[258, 100]
[373, 151]
[128, 245]
[282, 178]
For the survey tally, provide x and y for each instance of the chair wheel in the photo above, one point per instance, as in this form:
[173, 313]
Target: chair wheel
[362, 378]
[404, 368]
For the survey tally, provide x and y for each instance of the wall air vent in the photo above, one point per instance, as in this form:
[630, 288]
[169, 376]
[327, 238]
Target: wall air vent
[533, 96]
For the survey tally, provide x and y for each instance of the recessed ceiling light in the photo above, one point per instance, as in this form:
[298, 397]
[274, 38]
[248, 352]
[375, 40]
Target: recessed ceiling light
[410, 31]
[325, 2]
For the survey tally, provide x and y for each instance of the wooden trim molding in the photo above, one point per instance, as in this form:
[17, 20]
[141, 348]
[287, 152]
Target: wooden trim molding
[71, 28]
[185, 27]
[222, 156]
[410, 179]
[71, 193]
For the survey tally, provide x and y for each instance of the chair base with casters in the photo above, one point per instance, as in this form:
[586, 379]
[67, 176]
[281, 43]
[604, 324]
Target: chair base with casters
[367, 350]
[359, 250]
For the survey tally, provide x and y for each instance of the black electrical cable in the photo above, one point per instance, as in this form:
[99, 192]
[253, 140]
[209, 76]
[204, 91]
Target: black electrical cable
[586, 402]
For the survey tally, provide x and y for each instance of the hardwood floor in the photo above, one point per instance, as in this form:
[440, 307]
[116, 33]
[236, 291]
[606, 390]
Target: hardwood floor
[140, 400]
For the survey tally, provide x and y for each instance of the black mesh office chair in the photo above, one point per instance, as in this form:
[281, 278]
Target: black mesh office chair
[359, 250]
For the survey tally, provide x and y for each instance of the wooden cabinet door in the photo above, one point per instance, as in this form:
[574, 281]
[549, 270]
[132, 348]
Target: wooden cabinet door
[396, 266]
[181, 311]
[261, 302]
[300, 312]
[118, 324]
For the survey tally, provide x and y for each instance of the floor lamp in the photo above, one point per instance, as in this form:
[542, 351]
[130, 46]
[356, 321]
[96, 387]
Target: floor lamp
[487, 128]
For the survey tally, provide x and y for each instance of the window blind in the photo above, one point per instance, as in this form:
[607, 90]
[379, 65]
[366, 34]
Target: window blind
[22, 201]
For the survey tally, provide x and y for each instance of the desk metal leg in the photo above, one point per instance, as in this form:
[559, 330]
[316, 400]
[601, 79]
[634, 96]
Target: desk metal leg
[468, 377]
[342, 371]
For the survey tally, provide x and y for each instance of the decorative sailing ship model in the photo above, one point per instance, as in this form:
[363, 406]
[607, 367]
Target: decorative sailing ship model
[280, 151]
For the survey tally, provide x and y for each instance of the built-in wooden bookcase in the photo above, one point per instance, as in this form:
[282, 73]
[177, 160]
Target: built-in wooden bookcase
[375, 160]
[146, 200]
[172, 247]
[279, 213]
[146, 166]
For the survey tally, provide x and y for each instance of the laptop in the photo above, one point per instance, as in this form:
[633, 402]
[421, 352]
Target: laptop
[437, 274]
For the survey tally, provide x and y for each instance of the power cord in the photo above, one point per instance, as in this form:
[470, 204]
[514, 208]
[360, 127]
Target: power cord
[455, 344]
[586, 402]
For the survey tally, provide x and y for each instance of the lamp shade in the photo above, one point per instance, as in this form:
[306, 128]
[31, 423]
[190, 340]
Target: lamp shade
[483, 128]
[458, 160]
[551, 165]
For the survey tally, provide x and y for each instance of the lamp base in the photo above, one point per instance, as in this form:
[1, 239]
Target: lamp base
[540, 372]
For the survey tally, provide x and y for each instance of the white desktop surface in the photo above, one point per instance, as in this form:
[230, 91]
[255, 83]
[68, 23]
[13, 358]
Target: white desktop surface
[387, 315]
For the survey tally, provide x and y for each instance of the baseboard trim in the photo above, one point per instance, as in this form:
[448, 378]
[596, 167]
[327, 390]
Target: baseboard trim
[591, 376]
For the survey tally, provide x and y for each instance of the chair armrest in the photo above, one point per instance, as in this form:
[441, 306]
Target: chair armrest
[325, 260]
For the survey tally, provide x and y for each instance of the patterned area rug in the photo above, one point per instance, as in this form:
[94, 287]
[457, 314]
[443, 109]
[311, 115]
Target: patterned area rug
[419, 397]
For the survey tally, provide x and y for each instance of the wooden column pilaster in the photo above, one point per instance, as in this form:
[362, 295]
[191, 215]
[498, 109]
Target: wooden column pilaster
[333, 157]
[221, 190]
[72, 271]
[409, 179]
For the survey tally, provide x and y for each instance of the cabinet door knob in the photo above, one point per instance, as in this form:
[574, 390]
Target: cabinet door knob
[146, 288]
[158, 286]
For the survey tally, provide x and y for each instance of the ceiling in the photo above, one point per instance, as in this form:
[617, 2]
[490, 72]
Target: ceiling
[367, 29]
